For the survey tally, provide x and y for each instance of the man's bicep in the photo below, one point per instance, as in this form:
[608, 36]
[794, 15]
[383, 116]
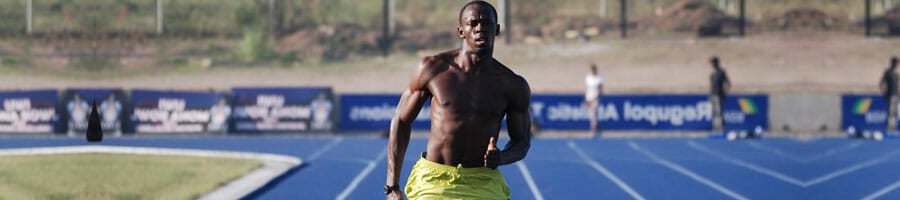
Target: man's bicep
[411, 102]
[518, 124]
[416, 93]
[518, 115]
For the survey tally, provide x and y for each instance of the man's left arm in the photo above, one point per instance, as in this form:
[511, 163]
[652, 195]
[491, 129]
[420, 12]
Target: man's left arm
[518, 124]
[727, 84]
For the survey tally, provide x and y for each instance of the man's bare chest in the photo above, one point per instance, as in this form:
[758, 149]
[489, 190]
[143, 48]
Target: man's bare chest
[485, 95]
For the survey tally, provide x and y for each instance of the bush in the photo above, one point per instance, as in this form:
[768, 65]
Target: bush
[253, 45]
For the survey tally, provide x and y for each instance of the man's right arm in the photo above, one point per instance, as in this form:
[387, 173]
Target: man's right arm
[411, 102]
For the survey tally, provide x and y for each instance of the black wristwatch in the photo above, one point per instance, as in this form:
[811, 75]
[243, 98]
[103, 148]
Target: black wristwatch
[390, 188]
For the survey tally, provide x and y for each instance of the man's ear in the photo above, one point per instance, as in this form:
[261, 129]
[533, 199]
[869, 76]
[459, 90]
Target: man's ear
[459, 32]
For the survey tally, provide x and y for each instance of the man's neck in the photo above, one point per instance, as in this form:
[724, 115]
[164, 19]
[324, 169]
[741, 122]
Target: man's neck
[471, 61]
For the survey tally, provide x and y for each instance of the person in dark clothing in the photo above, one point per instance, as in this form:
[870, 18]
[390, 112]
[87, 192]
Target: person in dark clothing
[888, 86]
[720, 85]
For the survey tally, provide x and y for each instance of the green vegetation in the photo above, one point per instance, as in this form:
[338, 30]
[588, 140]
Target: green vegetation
[199, 34]
[203, 18]
[114, 176]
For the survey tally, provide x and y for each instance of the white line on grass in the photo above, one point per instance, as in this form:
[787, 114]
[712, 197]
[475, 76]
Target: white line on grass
[324, 149]
[686, 172]
[750, 166]
[883, 191]
[274, 165]
[597, 166]
[362, 174]
[531, 185]
[852, 168]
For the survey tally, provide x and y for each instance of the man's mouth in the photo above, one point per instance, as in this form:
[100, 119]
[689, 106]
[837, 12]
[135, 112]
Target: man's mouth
[480, 41]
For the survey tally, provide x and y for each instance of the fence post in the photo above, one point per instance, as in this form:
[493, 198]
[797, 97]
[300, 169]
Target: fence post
[272, 23]
[505, 20]
[159, 17]
[868, 20]
[603, 8]
[623, 15]
[28, 17]
[743, 20]
[387, 26]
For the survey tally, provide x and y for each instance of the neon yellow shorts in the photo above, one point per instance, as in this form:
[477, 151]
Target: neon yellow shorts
[430, 180]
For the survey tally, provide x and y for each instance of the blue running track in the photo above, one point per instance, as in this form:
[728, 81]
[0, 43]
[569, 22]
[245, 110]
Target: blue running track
[665, 168]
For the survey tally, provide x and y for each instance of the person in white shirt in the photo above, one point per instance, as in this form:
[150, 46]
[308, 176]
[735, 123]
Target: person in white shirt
[594, 89]
[110, 109]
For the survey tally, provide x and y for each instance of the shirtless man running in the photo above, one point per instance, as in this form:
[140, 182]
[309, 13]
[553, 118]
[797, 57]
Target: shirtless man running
[471, 93]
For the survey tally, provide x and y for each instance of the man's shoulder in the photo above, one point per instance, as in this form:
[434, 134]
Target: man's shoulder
[433, 62]
[439, 58]
[514, 80]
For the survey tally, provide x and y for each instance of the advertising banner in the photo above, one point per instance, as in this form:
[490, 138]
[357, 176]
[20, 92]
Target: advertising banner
[625, 112]
[110, 104]
[283, 109]
[746, 113]
[566, 112]
[368, 112]
[863, 112]
[157, 111]
[31, 111]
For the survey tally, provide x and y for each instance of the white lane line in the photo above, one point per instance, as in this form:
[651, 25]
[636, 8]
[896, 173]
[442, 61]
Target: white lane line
[802, 159]
[831, 152]
[852, 168]
[686, 172]
[597, 166]
[324, 149]
[774, 151]
[528, 179]
[362, 174]
[883, 191]
[750, 166]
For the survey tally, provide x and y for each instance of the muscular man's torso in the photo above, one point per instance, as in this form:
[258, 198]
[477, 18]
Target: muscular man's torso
[466, 109]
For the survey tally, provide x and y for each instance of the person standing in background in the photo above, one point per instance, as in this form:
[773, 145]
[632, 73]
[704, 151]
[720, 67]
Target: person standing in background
[888, 86]
[720, 85]
[594, 89]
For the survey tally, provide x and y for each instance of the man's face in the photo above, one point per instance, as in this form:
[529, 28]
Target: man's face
[478, 27]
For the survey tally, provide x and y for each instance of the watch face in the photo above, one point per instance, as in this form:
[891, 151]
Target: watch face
[388, 189]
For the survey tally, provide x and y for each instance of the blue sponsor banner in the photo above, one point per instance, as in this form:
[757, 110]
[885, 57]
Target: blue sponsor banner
[111, 104]
[746, 113]
[566, 112]
[624, 112]
[157, 111]
[362, 112]
[283, 109]
[863, 112]
[32, 111]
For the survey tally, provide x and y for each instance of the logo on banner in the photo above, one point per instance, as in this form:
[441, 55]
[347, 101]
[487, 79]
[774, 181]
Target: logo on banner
[675, 115]
[863, 106]
[19, 116]
[271, 113]
[747, 106]
[171, 115]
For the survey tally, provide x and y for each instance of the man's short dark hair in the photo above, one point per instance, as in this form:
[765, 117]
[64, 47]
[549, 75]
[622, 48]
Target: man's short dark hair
[481, 3]
[894, 61]
[714, 60]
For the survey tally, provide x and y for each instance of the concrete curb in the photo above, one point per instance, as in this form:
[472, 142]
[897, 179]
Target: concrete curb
[273, 165]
